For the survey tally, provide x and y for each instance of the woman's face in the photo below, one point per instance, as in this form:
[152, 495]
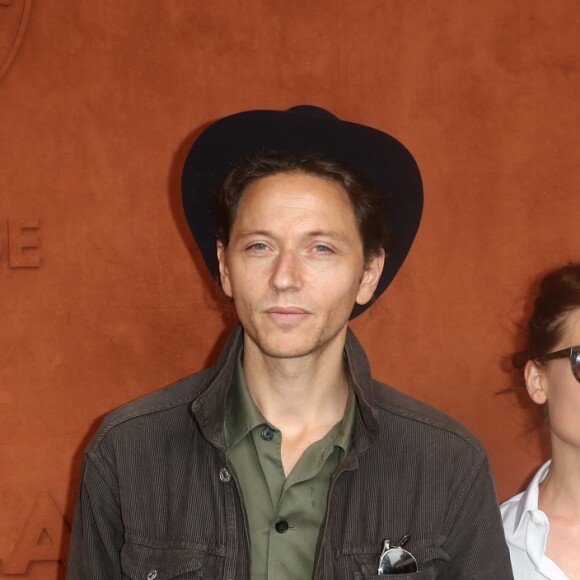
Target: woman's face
[554, 383]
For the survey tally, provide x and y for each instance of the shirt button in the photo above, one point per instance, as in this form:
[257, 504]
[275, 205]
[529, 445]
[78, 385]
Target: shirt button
[225, 475]
[152, 575]
[267, 434]
[281, 526]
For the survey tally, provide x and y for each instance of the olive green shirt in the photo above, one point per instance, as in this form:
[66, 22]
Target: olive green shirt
[284, 513]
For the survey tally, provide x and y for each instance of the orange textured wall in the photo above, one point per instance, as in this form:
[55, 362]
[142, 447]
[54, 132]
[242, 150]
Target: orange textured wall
[103, 294]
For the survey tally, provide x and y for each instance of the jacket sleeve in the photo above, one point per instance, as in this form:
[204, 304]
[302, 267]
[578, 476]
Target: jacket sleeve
[97, 532]
[476, 543]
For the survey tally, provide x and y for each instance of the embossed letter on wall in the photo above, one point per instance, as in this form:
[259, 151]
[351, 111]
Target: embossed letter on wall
[44, 537]
[22, 242]
[13, 20]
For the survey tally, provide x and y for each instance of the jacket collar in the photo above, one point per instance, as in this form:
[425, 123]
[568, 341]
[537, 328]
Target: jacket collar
[366, 428]
[209, 407]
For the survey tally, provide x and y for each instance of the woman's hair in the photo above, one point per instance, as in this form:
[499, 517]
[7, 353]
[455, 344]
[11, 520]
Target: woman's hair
[367, 204]
[559, 294]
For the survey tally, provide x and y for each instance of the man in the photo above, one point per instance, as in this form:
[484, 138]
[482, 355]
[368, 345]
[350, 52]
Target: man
[287, 460]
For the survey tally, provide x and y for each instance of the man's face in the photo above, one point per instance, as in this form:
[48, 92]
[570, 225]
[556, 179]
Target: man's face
[294, 265]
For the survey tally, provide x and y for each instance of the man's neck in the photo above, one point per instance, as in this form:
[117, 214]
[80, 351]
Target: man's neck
[303, 397]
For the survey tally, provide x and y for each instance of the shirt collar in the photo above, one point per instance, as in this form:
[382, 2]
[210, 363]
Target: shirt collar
[209, 407]
[530, 498]
[242, 414]
[345, 432]
[531, 524]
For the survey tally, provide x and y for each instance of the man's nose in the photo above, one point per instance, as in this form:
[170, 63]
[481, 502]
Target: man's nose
[286, 274]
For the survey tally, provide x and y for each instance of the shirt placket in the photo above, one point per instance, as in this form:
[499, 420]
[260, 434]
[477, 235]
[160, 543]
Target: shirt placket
[290, 515]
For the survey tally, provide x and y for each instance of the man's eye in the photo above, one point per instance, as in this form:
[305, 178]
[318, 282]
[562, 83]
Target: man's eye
[258, 246]
[322, 249]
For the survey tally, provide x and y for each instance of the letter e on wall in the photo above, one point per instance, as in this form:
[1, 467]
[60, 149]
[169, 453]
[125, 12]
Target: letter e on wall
[23, 243]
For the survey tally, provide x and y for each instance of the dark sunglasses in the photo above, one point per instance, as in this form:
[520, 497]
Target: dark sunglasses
[572, 352]
[395, 560]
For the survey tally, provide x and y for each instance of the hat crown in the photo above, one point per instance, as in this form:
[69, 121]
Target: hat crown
[312, 111]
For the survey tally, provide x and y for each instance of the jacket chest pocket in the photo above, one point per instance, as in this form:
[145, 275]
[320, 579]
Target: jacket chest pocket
[140, 562]
[368, 571]
[362, 566]
[426, 574]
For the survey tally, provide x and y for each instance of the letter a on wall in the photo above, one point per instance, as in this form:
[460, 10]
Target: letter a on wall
[45, 536]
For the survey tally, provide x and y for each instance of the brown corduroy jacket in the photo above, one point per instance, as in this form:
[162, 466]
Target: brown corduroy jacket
[159, 500]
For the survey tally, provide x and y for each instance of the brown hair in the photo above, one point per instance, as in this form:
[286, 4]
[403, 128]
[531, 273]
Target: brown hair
[559, 294]
[368, 205]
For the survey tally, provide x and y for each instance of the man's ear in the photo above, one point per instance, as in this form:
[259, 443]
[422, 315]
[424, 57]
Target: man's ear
[370, 278]
[223, 268]
[535, 382]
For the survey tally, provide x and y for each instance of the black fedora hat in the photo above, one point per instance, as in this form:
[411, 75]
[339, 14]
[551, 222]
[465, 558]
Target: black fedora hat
[304, 130]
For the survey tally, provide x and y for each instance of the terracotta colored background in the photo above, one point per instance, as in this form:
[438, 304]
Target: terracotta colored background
[99, 102]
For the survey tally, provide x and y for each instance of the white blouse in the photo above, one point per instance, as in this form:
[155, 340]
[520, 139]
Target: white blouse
[526, 531]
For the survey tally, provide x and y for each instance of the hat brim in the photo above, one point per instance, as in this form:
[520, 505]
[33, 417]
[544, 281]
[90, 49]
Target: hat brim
[304, 130]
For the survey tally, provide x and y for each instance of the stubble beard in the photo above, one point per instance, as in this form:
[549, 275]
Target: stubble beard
[316, 342]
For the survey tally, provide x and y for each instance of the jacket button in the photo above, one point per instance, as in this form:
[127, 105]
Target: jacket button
[152, 575]
[225, 475]
[281, 526]
[267, 433]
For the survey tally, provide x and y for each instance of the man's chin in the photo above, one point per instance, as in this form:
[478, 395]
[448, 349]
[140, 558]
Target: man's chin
[283, 344]
[286, 351]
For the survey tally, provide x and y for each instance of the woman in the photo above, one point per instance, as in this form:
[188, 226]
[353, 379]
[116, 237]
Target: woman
[542, 524]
